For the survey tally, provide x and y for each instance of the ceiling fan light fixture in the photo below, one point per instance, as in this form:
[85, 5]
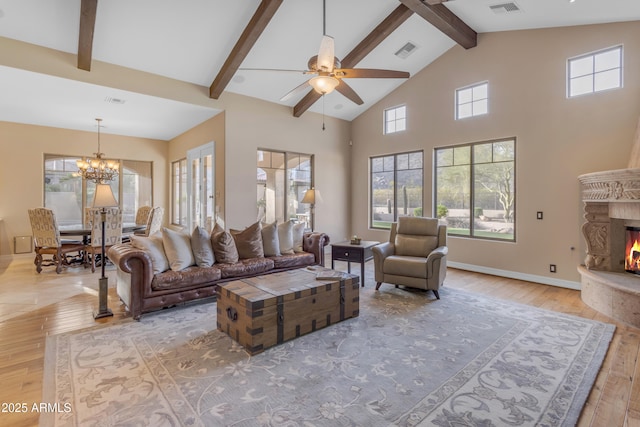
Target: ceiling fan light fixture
[324, 84]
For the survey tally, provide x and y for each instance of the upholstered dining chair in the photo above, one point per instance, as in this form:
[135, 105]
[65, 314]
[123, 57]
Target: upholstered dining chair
[154, 222]
[142, 215]
[415, 255]
[112, 233]
[46, 238]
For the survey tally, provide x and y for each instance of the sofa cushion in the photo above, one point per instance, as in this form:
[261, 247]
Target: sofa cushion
[300, 259]
[188, 277]
[201, 247]
[270, 242]
[297, 234]
[153, 246]
[177, 247]
[246, 267]
[285, 238]
[249, 242]
[224, 247]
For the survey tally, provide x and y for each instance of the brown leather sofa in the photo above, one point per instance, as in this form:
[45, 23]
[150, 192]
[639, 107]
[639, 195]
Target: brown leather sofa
[142, 291]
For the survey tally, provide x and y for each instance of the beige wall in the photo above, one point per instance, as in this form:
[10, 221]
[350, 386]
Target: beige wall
[253, 124]
[22, 149]
[212, 130]
[557, 138]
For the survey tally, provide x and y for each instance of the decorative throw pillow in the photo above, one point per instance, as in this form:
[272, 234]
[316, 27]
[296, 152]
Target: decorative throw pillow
[177, 247]
[249, 242]
[201, 247]
[153, 246]
[224, 247]
[298, 234]
[285, 238]
[270, 242]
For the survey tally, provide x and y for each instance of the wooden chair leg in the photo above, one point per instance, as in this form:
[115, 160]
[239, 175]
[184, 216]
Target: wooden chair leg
[378, 285]
[38, 262]
[436, 294]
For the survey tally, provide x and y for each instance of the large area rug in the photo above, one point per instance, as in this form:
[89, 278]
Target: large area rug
[408, 360]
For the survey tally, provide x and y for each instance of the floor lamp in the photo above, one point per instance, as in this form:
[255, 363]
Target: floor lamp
[103, 199]
[312, 196]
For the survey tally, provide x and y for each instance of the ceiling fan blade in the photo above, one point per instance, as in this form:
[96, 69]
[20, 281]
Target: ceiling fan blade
[274, 69]
[295, 91]
[326, 54]
[348, 91]
[369, 73]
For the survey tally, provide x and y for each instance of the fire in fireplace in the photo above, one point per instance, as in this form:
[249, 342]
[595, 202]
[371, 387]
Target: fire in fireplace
[632, 258]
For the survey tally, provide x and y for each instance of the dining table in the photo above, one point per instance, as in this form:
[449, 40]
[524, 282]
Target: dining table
[84, 231]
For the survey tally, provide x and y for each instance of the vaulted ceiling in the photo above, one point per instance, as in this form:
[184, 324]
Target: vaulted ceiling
[219, 44]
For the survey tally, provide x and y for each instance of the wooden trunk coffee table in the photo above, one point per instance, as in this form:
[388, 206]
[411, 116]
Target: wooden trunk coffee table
[260, 312]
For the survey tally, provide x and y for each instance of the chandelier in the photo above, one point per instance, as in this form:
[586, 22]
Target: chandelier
[98, 169]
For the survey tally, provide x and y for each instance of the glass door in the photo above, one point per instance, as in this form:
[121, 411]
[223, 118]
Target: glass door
[201, 187]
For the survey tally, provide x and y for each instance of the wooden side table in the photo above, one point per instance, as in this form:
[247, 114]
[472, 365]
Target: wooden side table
[345, 251]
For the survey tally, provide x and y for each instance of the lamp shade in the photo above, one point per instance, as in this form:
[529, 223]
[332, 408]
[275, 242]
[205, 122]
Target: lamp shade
[103, 197]
[312, 196]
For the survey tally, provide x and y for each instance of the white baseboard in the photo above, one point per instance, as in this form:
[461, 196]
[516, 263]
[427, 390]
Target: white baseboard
[515, 275]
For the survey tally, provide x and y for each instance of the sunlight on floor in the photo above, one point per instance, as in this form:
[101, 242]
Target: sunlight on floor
[23, 290]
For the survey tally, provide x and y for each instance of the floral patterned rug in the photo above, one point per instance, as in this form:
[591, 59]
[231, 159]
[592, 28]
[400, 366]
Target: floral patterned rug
[407, 360]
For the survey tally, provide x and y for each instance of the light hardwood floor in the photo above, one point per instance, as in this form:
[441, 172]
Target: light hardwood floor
[34, 306]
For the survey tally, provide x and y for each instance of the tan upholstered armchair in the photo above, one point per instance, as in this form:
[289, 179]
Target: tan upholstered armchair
[414, 256]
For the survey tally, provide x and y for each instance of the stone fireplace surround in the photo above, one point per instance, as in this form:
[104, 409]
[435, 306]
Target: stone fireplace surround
[611, 203]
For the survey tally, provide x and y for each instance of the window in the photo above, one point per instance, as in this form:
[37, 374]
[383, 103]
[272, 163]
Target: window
[472, 100]
[594, 72]
[282, 180]
[179, 192]
[67, 194]
[475, 189]
[395, 119]
[396, 187]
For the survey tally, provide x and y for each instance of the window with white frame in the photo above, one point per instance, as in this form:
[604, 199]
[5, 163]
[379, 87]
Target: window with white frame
[395, 119]
[594, 72]
[179, 192]
[472, 100]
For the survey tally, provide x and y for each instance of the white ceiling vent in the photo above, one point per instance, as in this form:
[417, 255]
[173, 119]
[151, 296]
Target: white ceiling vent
[406, 50]
[501, 8]
[112, 100]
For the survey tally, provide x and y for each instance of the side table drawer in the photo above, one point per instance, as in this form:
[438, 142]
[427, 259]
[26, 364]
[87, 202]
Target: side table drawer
[344, 254]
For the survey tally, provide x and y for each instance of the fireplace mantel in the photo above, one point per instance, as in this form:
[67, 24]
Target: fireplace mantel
[615, 186]
[611, 202]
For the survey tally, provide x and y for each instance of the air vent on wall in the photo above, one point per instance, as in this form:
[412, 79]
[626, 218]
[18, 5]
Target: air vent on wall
[505, 8]
[112, 100]
[406, 50]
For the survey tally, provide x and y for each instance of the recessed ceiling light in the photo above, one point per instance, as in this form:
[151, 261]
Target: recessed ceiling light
[238, 79]
[1, 13]
[338, 106]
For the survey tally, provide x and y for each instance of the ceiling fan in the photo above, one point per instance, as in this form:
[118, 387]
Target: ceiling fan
[328, 74]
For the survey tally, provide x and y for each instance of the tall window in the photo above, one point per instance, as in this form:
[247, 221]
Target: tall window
[67, 194]
[396, 187]
[179, 192]
[395, 119]
[282, 180]
[594, 72]
[472, 100]
[475, 189]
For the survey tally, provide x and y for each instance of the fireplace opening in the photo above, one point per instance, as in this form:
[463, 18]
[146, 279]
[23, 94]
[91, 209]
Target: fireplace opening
[632, 251]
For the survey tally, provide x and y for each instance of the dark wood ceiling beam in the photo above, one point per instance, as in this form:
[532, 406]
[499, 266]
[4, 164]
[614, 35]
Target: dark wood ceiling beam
[446, 21]
[266, 10]
[399, 15]
[432, 2]
[88, 9]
